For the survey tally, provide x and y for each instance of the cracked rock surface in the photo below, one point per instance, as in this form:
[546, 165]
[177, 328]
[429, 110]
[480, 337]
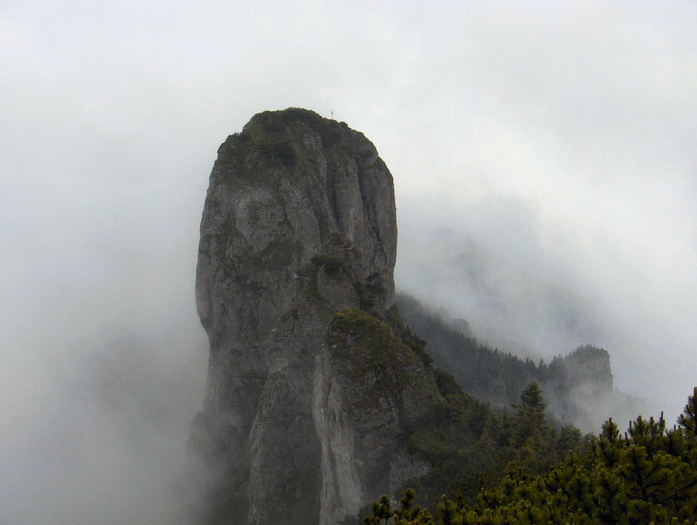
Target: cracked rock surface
[309, 395]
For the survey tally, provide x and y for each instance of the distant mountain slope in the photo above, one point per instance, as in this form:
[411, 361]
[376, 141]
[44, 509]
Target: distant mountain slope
[578, 387]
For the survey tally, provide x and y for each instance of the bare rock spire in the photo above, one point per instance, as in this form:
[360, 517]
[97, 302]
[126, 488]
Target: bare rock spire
[304, 413]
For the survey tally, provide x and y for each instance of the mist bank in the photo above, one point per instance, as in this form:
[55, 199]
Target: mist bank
[537, 289]
[96, 431]
[577, 386]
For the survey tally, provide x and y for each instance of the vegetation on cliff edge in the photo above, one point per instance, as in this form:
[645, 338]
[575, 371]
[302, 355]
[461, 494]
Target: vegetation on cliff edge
[465, 442]
[648, 475]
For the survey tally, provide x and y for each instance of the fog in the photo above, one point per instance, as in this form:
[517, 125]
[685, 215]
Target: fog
[546, 184]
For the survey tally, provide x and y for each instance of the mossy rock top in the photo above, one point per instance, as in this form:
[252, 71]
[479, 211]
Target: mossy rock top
[373, 343]
[270, 143]
[372, 356]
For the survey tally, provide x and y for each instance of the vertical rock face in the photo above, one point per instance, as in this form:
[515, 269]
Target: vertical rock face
[304, 415]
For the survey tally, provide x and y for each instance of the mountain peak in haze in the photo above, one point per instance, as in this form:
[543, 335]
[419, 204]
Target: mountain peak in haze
[309, 392]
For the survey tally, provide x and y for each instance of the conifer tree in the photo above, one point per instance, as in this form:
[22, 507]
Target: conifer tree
[688, 419]
[648, 475]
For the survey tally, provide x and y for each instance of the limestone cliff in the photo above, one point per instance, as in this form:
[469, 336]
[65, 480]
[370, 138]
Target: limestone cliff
[305, 413]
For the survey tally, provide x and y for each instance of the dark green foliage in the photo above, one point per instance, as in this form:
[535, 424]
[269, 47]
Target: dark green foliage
[447, 438]
[532, 399]
[394, 319]
[485, 372]
[646, 476]
[267, 146]
[498, 377]
[330, 130]
[465, 443]
[469, 445]
[374, 344]
[370, 351]
[688, 419]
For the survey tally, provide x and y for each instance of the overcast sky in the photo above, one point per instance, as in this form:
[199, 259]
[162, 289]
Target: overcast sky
[544, 165]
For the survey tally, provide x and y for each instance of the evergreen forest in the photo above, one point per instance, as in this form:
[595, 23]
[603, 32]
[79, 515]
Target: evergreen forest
[645, 475]
[578, 386]
[520, 464]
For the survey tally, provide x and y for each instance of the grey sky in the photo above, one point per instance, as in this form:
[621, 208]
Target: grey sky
[544, 164]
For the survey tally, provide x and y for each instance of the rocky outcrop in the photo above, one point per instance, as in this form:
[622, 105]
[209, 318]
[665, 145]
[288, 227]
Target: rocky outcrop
[581, 388]
[305, 416]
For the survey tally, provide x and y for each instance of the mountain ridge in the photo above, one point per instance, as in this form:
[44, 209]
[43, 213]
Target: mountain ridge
[578, 385]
